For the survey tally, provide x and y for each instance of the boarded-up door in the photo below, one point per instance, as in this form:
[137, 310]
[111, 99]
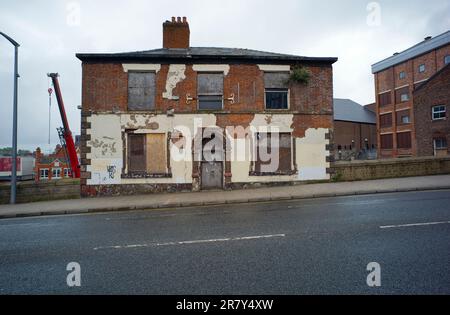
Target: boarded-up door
[156, 153]
[212, 174]
[136, 156]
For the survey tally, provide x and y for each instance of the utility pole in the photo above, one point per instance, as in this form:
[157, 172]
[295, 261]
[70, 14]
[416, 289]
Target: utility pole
[14, 137]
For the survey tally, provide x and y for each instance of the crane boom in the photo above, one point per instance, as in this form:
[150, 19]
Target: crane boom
[67, 134]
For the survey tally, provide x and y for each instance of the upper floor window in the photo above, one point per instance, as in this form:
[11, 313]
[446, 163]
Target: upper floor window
[447, 59]
[422, 68]
[386, 120]
[438, 112]
[402, 75]
[210, 91]
[141, 91]
[276, 90]
[403, 117]
[402, 95]
[384, 99]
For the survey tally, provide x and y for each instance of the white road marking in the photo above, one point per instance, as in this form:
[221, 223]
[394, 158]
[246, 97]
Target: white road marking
[414, 224]
[246, 238]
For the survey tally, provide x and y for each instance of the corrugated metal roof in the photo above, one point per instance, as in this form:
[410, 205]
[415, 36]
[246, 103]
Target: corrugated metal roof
[414, 51]
[348, 110]
[203, 53]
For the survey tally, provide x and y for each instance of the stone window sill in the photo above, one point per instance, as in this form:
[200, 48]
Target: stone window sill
[146, 175]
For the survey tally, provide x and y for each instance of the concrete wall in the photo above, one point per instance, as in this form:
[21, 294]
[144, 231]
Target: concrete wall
[31, 191]
[390, 168]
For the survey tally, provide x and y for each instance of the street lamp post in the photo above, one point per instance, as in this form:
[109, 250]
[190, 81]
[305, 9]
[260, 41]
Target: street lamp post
[14, 138]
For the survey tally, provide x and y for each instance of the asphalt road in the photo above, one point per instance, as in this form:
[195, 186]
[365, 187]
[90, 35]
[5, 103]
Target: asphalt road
[318, 246]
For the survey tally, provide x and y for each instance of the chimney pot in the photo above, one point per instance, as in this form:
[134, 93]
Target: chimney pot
[176, 33]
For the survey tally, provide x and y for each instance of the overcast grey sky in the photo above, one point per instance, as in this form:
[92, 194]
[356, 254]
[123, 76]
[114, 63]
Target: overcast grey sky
[51, 32]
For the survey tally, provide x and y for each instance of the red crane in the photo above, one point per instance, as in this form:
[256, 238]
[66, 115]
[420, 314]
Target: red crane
[64, 132]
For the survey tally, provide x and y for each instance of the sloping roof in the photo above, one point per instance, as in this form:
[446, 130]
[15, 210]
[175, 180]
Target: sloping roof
[414, 51]
[432, 78]
[348, 110]
[49, 160]
[199, 53]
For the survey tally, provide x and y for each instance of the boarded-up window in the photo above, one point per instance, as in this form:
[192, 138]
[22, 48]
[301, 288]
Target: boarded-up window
[136, 153]
[267, 147]
[404, 140]
[147, 153]
[210, 90]
[403, 117]
[156, 153]
[384, 99]
[276, 89]
[402, 95]
[141, 91]
[386, 120]
[276, 80]
[386, 142]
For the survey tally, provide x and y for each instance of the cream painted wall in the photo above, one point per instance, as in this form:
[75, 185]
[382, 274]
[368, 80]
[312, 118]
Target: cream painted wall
[107, 147]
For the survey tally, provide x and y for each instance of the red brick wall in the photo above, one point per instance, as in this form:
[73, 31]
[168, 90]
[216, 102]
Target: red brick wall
[435, 92]
[176, 34]
[389, 79]
[105, 89]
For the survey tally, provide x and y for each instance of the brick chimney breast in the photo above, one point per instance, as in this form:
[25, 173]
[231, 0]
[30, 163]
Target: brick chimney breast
[176, 33]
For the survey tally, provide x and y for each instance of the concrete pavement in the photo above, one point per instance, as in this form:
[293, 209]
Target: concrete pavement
[309, 246]
[189, 199]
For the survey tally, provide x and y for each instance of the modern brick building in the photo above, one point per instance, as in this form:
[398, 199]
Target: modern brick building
[148, 117]
[396, 79]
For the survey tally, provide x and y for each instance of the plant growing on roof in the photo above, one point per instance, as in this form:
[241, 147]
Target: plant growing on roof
[300, 75]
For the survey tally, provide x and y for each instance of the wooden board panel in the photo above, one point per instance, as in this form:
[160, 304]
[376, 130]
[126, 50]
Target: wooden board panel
[156, 153]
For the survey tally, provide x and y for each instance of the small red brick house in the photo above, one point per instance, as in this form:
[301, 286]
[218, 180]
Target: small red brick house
[51, 167]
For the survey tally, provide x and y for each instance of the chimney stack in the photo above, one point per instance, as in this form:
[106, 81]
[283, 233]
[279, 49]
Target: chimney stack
[176, 33]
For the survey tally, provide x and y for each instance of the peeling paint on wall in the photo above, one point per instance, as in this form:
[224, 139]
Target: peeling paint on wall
[174, 76]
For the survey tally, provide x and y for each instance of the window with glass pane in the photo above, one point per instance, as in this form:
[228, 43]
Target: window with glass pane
[210, 91]
[438, 112]
[44, 173]
[56, 173]
[402, 75]
[422, 68]
[447, 59]
[276, 90]
[440, 143]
